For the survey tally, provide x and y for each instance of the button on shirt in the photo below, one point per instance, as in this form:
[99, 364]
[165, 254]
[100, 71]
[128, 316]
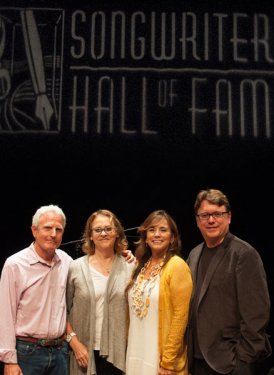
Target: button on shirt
[33, 299]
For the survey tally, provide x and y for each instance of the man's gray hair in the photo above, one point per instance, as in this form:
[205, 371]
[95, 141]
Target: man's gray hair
[45, 209]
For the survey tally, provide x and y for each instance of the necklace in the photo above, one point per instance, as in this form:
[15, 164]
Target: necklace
[103, 266]
[141, 301]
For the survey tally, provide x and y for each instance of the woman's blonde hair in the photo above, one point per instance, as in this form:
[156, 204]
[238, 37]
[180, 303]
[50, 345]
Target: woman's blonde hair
[121, 242]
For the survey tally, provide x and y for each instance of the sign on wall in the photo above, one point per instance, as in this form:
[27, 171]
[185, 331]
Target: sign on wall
[96, 70]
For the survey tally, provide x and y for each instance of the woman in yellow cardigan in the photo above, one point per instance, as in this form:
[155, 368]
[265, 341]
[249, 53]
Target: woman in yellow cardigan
[158, 297]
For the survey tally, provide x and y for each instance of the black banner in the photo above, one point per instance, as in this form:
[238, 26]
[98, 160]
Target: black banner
[135, 106]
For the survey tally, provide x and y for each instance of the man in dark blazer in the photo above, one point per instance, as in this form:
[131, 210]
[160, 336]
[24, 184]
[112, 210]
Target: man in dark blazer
[230, 305]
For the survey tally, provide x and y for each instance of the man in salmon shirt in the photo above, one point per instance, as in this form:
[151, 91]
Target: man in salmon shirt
[33, 306]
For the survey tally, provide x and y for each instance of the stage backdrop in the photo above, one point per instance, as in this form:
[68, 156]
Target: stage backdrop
[134, 106]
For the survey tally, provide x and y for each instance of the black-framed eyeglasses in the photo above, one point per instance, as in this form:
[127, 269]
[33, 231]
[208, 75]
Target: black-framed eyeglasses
[215, 215]
[99, 230]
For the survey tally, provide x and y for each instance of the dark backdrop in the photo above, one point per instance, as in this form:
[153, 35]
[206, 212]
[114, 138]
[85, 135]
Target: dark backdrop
[134, 134]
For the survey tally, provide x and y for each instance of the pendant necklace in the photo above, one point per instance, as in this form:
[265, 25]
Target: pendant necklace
[141, 301]
[102, 266]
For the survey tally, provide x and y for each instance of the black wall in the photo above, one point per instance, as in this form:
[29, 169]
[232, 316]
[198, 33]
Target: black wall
[135, 130]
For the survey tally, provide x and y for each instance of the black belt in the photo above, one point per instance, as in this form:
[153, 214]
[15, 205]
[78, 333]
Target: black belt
[42, 342]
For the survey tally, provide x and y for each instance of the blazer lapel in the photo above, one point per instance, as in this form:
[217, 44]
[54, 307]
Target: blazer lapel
[195, 261]
[115, 271]
[87, 276]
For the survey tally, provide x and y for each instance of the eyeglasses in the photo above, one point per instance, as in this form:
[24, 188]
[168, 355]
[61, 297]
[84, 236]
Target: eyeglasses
[100, 230]
[215, 215]
[160, 230]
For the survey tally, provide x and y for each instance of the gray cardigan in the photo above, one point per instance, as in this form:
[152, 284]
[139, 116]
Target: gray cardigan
[81, 312]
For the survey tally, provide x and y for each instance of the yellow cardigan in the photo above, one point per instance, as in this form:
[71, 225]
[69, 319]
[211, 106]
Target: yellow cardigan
[174, 297]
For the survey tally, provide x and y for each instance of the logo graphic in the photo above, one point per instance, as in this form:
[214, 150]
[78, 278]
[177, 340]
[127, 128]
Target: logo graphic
[31, 57]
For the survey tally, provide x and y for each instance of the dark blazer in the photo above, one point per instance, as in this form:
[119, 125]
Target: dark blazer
[233, 309]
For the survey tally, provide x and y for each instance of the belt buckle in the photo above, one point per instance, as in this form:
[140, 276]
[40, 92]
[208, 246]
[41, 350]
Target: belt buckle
[42, 342]
[48, 342]
[53, 342]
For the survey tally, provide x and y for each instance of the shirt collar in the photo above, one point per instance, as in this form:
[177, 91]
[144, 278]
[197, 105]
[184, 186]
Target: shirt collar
[35, 258]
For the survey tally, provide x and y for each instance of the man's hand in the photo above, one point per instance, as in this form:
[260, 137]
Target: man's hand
[12, 369]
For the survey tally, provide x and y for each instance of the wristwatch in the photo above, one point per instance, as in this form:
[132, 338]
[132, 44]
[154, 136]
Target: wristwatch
[70, 336]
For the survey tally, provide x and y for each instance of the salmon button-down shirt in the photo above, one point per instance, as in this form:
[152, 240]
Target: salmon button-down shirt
[33, 299]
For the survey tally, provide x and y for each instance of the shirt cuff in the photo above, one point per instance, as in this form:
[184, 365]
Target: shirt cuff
[8, 356]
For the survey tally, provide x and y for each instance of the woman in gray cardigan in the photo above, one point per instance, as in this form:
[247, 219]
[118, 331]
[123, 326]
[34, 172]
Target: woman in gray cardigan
[97, 310]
